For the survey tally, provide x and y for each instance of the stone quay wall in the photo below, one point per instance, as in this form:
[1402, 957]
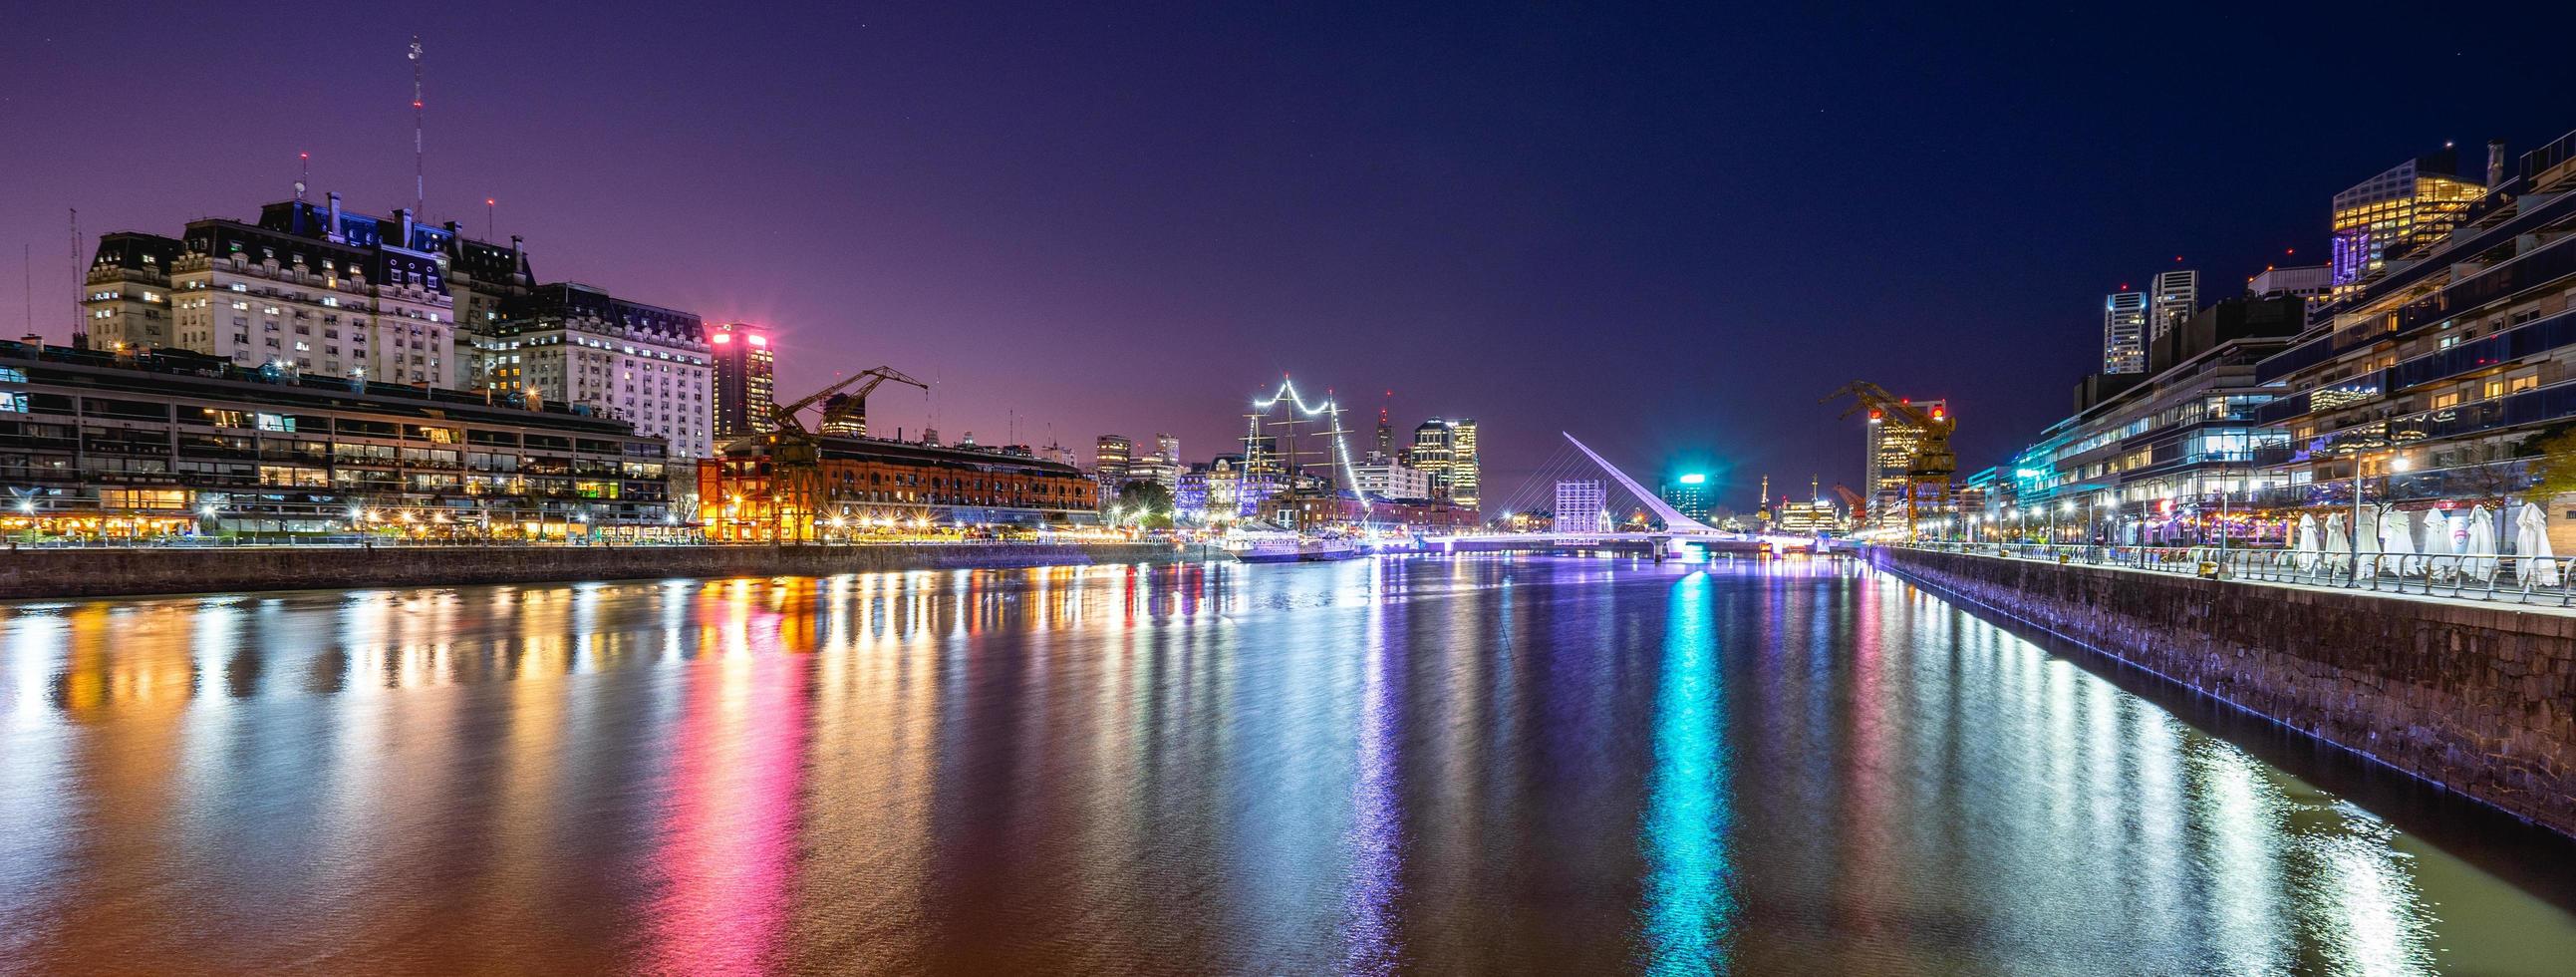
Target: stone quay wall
[55, 573]
[2478, 698]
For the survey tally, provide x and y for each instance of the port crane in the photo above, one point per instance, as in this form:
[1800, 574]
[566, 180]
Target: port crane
[1930, 464]
[796, 454]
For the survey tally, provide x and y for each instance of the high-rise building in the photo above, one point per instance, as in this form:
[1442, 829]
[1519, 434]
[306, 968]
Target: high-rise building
[642, 364]
[1167, 448]
[2414, 203]
[1466, 473]
[307, 288]
[1110, 457]
[2124, 333]
[1385, 450]
[1579, 506]
[745, 388]
[1687, 494]
[1392, 480]
[2310, 282]
[1891, 445]
[845, 414]
[2176, 296]
[1434, 444]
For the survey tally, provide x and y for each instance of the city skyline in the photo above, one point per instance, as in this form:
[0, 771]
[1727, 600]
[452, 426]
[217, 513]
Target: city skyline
[1195, 227]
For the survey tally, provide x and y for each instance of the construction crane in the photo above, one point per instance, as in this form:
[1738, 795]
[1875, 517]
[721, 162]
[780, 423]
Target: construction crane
[1929, 464]
[796, 454]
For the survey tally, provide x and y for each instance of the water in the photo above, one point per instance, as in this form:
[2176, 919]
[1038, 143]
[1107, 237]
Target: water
[1473, 765]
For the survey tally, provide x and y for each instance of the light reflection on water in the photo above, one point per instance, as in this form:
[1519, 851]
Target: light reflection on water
[1540, 766]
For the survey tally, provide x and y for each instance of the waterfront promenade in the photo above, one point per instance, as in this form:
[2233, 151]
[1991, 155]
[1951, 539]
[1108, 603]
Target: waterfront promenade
[124, 571]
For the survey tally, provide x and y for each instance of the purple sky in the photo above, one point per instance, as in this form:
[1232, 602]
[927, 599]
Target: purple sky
[1669, 230]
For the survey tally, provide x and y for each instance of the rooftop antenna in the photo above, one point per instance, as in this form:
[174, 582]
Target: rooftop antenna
[80, 282]
[419, 183]
[490, 204]
[27, 263]
[304, 176]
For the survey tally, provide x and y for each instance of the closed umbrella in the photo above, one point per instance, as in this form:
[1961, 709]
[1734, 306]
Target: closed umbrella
[2397, 538]
[2365, 541]
[2338, 545]
[2479, 558]
[2531, 545]
[2308, 547]
[2439, 547]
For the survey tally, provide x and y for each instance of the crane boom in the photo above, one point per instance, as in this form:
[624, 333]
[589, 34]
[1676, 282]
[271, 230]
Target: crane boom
[784, 416]
[1929, 462]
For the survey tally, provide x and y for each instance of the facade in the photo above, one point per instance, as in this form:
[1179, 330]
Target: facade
[2311, 282]
[869, 485]
[2412, 203]
[2176, 295]
[1392, 480]
[2164, 448]
[1579, 507]
[2453, 363]
[846, 414]
[1445, 449]
[1110, 456]
[642, 364]
[307, 287]
[2124, 333]
[1889, 445]
[742, 384]
[144, 443]
[1687, 494]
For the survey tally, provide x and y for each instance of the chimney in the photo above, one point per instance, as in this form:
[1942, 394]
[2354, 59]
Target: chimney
[2495, 162]
[335, 220]
[406, 215]
[518, 262]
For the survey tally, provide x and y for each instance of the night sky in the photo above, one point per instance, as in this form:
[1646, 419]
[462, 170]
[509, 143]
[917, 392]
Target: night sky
[1669, 230]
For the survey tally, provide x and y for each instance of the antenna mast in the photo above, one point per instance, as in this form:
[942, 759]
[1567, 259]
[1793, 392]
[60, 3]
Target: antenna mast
[419, 184]
[80, 283]
[306, 159]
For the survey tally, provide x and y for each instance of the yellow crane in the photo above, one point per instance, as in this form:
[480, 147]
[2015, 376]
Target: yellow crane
[796, 454]
[1930, 464]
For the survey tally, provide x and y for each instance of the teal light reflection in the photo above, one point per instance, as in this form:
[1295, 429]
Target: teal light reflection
[1689, 911]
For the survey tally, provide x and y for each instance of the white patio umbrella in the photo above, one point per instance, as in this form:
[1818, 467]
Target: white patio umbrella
[2439, 546]
[2397, 538]
[2365, 542]
[2539, 567]
[2479, 558]
[2338, 545]
[2308, 546]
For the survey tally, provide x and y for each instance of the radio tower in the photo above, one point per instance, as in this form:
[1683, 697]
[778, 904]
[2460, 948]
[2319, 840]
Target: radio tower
[419, 184]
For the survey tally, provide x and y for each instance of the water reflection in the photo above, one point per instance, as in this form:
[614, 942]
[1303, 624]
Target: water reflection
[1472, 764]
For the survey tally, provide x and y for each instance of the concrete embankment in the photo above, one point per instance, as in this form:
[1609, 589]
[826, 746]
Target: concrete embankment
[38, 574]
[2480, 699]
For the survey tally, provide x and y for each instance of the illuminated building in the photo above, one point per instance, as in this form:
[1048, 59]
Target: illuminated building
[2454, 357]
[2176, 295]
[1466, 472]
[1110, 456]
[1808, 518]
[110, 444]
[1890, 446]
[1687, 494]
[1579, 506]
[1392, 480]
[307, 287]
[642, 364]
[744, 387]
[2124, 333]
[2311, 282]
[888, 486]
[1445, 449]
[2413, 203]
[845, 415]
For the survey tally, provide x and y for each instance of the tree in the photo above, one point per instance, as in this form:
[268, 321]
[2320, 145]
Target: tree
[1150, 501]
[2554, 470]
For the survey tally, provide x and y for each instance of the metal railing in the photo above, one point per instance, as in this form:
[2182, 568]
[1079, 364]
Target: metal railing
[2544, 580]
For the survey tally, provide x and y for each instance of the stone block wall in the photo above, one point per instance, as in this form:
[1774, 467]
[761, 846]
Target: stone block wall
[2479, 698]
